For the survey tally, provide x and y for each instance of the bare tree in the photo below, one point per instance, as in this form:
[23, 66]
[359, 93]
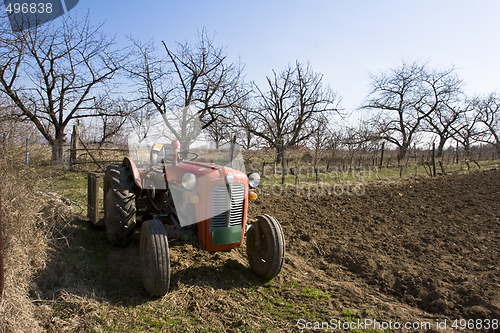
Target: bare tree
[359, 139]
[319, 138]
[142, 120]
[192, 77]
[15, 131]
[362, 136]
[399, 100]
[296, 97]
[220, 131]
[333, 142]
[465, 130]
[113, 121]
[55, 74]
[245, 124]
[414, 98]
[489, 116]
[441, 95]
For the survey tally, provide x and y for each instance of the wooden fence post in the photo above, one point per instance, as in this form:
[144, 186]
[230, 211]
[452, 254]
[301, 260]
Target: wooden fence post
[282, 161]
[434, 159]
[415, 153]
[93, 180]
[74, 146]
[382, 154]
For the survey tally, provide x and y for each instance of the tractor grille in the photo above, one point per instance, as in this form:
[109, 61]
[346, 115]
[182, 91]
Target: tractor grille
[221, 204]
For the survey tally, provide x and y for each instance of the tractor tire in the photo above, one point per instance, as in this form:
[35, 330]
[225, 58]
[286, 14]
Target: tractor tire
[266, 247]
[119, 205]
[154, 258]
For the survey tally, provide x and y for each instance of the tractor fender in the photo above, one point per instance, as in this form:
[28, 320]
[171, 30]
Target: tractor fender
[135, 174]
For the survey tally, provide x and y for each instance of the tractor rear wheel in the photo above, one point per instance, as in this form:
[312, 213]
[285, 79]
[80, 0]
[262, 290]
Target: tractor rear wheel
[266, 247]
[154, 258]
[119, 205]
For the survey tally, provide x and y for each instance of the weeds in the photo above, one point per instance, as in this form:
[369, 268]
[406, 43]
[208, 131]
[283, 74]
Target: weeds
[34, 222]
[315, 293]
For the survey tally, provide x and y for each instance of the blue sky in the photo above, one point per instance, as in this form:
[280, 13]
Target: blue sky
[344, 40]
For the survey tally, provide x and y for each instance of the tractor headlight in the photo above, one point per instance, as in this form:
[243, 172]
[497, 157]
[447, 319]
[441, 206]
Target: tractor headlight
[253, 179]
[188, 181]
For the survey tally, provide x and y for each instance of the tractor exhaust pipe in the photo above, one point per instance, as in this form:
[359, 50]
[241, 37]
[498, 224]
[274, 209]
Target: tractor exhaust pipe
[175, 147]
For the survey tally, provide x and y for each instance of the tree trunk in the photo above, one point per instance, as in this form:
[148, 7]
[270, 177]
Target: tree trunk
[184, 145]
[382, 154]
[434, 159]
[282, 154]
[279, 153]
[57, 146]
[402, 153]
[57, 152]
[441, 144]
[74, 146]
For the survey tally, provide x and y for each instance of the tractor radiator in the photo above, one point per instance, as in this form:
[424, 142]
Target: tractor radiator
[222, 204]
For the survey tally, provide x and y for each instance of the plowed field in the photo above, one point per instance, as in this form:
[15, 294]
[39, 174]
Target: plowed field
[422, 248]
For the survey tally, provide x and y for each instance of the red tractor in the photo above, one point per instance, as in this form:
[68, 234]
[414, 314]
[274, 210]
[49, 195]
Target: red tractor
[181, 195]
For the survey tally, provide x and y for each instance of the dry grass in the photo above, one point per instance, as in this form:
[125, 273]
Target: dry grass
[33, 224]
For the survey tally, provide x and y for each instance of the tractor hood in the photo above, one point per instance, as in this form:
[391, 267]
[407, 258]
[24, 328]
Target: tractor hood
[199, 168]
[204, 172]
[199, 183]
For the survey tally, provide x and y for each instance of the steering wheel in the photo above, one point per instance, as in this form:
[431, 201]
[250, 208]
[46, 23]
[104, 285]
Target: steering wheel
[185, 152]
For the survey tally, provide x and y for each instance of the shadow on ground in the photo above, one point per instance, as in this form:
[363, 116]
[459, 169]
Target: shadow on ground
[86, 265]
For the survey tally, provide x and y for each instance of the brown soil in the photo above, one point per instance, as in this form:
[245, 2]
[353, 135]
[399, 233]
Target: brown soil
[423, 248]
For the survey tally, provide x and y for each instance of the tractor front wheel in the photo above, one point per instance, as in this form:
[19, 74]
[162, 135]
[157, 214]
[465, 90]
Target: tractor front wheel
[154, 258]
[266, 247]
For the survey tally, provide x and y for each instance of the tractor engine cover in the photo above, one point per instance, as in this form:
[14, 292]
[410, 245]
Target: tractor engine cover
[217, 203]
